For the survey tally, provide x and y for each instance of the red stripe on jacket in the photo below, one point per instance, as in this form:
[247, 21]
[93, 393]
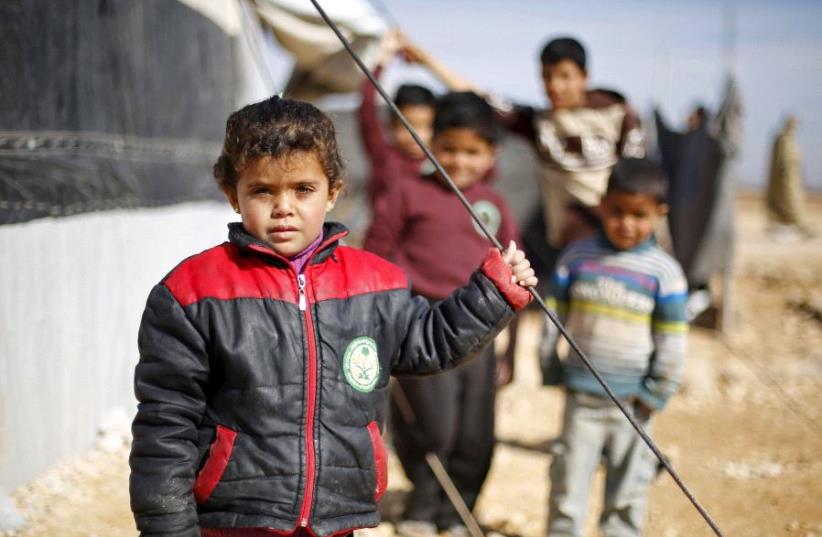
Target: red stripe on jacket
[224, 273]
[355, 272]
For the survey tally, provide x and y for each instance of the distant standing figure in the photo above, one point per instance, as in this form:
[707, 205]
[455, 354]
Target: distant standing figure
[786, 196]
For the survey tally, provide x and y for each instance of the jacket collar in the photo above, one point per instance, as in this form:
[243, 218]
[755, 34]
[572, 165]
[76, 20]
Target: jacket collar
[332, 233]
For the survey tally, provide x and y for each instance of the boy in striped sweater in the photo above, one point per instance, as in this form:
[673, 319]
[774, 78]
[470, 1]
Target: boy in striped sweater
[623, 299]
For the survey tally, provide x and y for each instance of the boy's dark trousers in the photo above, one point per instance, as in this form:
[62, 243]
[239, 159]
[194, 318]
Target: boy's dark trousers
[455, 420]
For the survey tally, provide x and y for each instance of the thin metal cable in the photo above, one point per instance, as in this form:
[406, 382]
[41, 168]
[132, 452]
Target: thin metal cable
[551, 315]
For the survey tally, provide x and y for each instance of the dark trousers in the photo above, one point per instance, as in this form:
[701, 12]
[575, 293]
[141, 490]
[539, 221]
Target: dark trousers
[455, 420]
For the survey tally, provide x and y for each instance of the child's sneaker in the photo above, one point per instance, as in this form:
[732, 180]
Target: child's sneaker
[415, 528]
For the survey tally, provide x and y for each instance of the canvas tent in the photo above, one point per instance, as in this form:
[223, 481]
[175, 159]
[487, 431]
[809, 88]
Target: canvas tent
[108, 129]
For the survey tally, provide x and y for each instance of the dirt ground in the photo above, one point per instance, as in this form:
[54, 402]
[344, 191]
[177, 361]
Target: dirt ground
[745, 432]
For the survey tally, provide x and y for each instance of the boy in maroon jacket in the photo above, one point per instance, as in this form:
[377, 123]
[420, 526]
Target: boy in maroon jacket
[420, 225]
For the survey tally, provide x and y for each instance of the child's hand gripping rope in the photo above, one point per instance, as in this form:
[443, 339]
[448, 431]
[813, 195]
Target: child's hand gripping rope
[521, 271]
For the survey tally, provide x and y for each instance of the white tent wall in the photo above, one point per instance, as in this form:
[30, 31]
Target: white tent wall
[73, 291]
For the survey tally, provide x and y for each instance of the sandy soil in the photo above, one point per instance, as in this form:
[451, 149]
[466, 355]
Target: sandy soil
[745, 433]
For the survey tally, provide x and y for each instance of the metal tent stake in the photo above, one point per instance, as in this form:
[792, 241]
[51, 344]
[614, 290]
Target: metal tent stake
[434, 462]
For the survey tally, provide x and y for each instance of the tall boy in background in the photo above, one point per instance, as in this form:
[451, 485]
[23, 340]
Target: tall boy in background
[421, 225]
[623, 300]
[578, 140]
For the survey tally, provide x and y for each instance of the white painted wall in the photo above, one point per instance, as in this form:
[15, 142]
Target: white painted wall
[72, 291]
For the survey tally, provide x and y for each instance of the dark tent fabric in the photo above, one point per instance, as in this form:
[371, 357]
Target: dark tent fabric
[122, 104]
[699, 165]
[109, 104]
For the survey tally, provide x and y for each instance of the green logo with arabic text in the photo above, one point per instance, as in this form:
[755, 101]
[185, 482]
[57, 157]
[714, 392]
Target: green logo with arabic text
[361, 364]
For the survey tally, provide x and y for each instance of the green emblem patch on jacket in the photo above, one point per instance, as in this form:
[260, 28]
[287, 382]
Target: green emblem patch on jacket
[361, 364]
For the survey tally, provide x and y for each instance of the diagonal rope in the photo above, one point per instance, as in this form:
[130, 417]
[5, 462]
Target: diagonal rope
[551, 315]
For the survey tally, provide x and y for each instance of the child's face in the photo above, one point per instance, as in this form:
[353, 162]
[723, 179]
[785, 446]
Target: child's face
[464, 154]
[629, 219]
[565, 84]
[421, 117]
[283, 201]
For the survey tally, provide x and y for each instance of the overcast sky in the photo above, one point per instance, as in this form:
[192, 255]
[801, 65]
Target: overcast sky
[653, 52]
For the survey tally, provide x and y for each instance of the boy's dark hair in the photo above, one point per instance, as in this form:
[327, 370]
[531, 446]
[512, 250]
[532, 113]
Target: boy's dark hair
[276, 128]
[563, 48]
[639, 176]
[467, 110]
[414, 95]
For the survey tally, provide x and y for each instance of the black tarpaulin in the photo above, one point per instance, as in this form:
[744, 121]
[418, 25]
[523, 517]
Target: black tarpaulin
[109, 104]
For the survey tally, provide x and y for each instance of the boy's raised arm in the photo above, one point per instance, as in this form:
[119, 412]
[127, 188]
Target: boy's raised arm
[518, 119]
[375, 140]
[169, 384]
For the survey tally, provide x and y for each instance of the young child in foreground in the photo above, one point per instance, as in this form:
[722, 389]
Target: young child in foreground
[264, 361]
[421, 225]
[623, 300]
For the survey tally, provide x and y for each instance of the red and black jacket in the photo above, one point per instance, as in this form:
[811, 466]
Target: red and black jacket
[247, 413]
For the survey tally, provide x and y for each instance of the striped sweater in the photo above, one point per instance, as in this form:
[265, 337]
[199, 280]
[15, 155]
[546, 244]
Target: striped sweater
[626, 310]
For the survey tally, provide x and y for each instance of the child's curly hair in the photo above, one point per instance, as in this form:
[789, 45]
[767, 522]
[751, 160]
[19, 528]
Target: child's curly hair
[275, 128]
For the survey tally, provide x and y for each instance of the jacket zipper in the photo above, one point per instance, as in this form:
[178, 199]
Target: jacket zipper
[301, 288]
[311, 402]
[302, 303]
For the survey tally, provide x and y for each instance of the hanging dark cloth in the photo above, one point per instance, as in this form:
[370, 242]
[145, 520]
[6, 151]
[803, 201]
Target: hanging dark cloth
[699, 165]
